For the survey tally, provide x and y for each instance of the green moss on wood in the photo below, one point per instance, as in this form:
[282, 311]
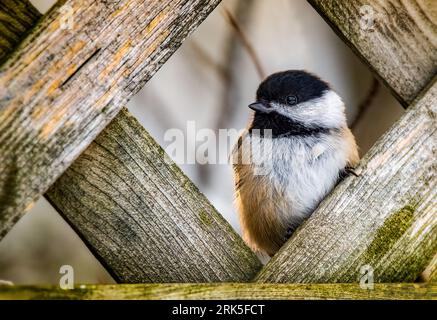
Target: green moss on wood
[205, 218]
[219, 291]
[389, 233]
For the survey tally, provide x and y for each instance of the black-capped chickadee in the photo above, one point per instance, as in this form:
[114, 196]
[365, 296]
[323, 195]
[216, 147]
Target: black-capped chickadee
[293, 153]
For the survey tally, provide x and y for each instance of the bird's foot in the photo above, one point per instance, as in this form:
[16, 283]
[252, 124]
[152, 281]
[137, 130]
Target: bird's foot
[346, 172]
[288, 233]
[352, 171]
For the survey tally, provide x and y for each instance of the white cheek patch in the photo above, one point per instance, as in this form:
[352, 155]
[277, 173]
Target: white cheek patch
[326, 111]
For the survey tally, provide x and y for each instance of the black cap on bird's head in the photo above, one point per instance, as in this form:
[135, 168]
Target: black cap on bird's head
[288, 88]
[295, 102]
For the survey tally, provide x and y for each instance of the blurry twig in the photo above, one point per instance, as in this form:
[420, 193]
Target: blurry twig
[229, 69]
[245, 41]
[204, 58]
[374, 88]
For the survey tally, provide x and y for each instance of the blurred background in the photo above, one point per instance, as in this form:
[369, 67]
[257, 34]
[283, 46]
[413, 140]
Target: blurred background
[210, 80]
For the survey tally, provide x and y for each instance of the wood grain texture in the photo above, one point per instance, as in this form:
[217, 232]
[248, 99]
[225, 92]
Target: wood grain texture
[63, 85]
[385, 218]
[226, 291]
[398, 41]
[17, 17]
[142, 217]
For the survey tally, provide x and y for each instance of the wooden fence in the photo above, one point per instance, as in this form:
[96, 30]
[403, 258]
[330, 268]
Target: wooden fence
[64, 133]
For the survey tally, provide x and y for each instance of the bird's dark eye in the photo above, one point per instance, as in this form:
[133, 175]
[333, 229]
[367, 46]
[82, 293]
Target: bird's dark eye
[292, 100]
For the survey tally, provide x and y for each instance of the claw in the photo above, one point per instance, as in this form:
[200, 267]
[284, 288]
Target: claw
[351, 171]
[288, 234]
[346, 172]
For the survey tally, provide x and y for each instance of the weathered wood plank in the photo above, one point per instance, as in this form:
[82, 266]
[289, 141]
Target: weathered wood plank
[63, 85]
[142, 217]
[132, 223]
[240, 291]
[396, 38]
[17, 17]
[385, 218]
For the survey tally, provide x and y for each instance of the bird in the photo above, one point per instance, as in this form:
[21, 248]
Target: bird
[294, 151]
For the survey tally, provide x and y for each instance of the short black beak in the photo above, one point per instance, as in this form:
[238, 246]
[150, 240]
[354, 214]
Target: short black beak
[261, 107]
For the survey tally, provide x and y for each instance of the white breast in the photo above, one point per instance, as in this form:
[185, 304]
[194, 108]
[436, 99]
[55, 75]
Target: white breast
[303, 170]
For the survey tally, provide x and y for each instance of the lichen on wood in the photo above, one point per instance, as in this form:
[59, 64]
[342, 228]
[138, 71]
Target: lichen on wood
[388, 234]
[225, 291]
